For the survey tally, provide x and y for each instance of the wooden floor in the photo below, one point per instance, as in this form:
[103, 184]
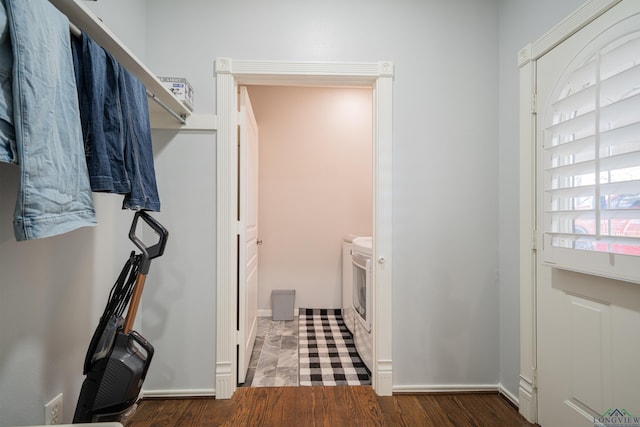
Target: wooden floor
[328, 406]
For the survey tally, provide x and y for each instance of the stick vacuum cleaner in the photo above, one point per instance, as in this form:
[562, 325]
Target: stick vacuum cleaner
[118, 357]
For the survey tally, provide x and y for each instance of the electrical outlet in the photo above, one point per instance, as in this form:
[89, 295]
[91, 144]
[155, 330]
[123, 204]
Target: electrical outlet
[53, 411]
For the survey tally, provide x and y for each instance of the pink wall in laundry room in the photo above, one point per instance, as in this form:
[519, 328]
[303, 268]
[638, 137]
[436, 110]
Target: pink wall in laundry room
[315, 186]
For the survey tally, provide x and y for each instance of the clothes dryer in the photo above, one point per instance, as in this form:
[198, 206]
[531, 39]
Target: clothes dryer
[362, 298]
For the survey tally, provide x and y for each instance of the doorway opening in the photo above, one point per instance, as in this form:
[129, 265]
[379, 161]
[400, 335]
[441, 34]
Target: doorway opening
[231, 74]
[314, 188]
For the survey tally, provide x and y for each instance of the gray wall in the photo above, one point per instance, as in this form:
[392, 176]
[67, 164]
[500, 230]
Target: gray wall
[455, 195]
[445, 283]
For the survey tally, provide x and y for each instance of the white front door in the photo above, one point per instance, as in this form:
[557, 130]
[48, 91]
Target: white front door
[588, 326]
[248, 234]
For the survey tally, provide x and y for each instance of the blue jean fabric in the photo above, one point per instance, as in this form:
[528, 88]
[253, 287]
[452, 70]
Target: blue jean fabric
[8, 149]
[135, 113]
[54, 196]
[97, 74]
[115, 123]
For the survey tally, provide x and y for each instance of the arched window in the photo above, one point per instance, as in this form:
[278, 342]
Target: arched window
[592, 147]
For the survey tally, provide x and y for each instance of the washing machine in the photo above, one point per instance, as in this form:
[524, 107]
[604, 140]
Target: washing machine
[361, 253]
[347, 281]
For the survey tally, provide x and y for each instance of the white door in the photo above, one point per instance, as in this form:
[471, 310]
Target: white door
[588, 326]
[248, 234]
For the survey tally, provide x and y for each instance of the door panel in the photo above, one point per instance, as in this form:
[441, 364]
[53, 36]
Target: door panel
[248, 234]
[587, 326]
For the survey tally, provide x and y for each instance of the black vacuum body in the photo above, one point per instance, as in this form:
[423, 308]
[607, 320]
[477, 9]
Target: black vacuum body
[114, 382]
[118, 357]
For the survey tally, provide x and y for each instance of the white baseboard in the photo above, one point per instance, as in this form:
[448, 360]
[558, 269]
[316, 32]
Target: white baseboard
[458, 388]
[269, 313]
[398, 389]
[528, 398]
[265, 313]
[510, 396]
[446, 388]
[198, 392]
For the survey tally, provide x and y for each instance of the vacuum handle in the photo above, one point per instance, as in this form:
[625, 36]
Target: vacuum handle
[142, 342]
[148, 252]
[136, 295]
[132, 341]
[148, 348]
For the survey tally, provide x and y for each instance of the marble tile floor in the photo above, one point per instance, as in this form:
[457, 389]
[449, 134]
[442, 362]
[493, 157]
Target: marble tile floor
[274, 360]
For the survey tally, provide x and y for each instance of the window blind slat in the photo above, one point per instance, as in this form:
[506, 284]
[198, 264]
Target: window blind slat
[581, 101]
[581, 78]
[627, 187]
[574, 169]
[572, 192]
[619, 58]
[621, 135]
[620, 113]
[619, 162]
[574, 128]
[619, 85]
[580, 146]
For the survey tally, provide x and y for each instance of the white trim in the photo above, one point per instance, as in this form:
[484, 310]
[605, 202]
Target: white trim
[446, 388]
[265, 313]
[192, 392]
[508, 395]
[457, 388]
[227, 154]
[570, 25]
[231, 73]
[529, 236]
[528, 333]
[528, 400]
[269, 313]
[196, 122]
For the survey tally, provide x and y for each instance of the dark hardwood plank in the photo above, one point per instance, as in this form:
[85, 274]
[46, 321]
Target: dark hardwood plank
[330, 407]
[492, 409]
[390, 412]
[193, 413]
[366, 402]
[161, 412]
[303, 403]
[216, 412]
[455, 410]
[251, 407]
[345, 406]
[421, 410]
[282, 409]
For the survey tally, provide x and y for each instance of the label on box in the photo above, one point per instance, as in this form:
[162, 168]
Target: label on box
[181, 88]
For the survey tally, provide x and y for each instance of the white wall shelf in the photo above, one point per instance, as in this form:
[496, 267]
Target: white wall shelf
[195, 122]
[165, 110]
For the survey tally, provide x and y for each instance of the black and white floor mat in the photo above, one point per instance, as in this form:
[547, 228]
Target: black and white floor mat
[327, 352]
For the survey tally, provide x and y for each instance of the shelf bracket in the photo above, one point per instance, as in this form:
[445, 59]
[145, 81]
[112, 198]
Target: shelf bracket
[180, 118]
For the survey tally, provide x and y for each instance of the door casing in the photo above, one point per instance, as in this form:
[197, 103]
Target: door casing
[231, 73]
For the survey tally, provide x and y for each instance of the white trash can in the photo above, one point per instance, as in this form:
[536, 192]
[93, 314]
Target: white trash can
[282, 304]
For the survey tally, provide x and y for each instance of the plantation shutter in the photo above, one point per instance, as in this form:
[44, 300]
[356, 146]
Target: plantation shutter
[592, 152]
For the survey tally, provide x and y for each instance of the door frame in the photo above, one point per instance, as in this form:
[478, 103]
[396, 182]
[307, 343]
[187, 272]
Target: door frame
[530, 236]
[230, 73]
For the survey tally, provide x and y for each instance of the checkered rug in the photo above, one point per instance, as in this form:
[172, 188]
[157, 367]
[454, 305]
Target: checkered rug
[327, 352]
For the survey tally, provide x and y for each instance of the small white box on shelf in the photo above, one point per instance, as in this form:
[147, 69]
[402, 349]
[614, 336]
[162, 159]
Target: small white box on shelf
[181, 88]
